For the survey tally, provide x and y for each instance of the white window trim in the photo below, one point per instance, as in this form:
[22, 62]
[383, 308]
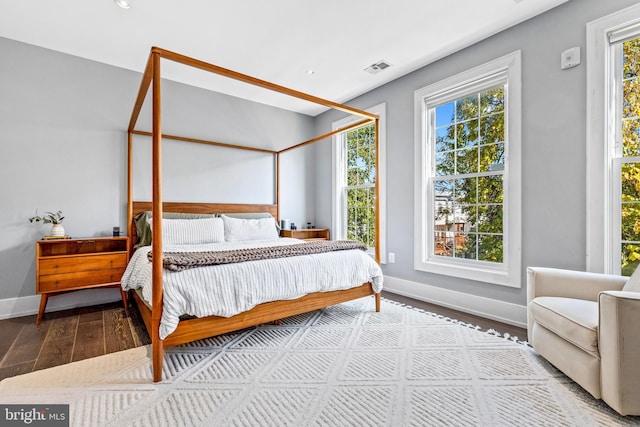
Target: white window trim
[601, 122]
[509, 273]
[338, 172]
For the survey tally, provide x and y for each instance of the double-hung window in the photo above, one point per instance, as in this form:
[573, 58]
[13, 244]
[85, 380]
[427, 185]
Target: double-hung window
[468, 174]
[613, 138]
[354, 180]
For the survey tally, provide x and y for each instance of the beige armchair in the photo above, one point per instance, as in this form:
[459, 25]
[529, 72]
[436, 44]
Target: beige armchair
[588, 326]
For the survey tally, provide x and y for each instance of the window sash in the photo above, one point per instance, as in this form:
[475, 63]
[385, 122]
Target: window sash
[369, 238]
[617, 212]
[615, 148]
[494, 81]
[619, 207]
[344, 226]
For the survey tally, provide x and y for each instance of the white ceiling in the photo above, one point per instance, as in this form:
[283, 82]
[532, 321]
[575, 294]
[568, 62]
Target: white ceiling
[275, 40]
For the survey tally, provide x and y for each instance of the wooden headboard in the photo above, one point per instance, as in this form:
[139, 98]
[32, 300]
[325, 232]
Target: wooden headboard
[197, 207]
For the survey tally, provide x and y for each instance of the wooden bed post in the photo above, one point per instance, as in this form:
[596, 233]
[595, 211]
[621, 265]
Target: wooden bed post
[377, 194]
[278, 186]
[130, 193]
[156, 314]
[377, 204]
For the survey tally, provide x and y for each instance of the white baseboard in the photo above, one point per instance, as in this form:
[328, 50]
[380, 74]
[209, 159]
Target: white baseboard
[512, 314]
[505, 312]
[26, 306]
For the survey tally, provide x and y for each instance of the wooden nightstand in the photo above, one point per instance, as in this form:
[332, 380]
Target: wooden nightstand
[73, 264]
[307, 233]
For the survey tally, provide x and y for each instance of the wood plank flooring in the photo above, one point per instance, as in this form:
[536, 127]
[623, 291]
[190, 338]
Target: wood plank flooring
[71, 335]
[68, 336]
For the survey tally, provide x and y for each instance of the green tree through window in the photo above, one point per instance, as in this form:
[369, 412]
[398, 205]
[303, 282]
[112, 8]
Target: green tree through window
[360, 188]
[630, 169]
[468, 183]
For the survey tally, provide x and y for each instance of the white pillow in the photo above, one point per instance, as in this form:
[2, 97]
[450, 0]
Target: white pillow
[241, 230]
[192, 231]
[633, 284]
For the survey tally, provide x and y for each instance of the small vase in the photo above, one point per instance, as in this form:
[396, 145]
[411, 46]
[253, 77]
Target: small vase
[57, 230]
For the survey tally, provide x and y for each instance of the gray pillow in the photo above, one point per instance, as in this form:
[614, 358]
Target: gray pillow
[143, 230]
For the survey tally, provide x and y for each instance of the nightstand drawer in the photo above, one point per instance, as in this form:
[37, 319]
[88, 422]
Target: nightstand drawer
[80, 279]
[71, 264]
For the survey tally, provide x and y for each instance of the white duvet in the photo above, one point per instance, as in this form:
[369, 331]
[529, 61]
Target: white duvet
[229, 289]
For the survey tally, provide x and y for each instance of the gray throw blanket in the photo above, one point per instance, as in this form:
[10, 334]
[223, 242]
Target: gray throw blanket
[178, 261]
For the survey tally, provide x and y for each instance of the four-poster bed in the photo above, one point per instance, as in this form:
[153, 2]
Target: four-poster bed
[201, 327]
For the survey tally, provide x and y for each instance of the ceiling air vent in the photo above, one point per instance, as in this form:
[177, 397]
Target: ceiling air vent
[377, 67]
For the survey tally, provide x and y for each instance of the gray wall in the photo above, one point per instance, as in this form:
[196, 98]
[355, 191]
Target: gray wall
[553, 146]
[62, 135]
[63, 138]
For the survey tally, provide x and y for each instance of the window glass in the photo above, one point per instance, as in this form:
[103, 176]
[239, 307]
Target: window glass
[629, 196]
[468, 148]
[360, 185]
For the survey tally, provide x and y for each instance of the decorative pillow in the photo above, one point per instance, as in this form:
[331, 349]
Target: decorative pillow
[192, 231]
[143, 228]
[633, 284]
[241, 230]
[253, 215]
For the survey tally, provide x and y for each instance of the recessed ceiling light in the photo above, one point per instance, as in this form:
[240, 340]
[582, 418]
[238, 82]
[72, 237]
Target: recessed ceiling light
[309, 71]
[123, 4]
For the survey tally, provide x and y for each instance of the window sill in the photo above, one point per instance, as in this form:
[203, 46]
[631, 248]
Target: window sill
[495, 276]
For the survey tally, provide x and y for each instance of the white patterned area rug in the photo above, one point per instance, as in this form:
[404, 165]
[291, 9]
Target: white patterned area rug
[343, 366]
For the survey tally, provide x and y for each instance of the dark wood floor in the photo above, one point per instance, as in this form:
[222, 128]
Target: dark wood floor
[71, 335]
[68, 336]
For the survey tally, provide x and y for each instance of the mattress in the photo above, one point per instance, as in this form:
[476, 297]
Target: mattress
[228, 289]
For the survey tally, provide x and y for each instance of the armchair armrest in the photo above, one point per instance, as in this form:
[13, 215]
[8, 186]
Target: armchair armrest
[619, 346]
[555, 282]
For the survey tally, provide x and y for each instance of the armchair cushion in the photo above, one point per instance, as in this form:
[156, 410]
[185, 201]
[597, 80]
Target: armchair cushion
[574, 320]
[633, 284]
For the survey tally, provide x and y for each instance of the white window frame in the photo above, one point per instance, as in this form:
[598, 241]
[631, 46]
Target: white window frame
[603, 140]
[508, 273]
[339, 155]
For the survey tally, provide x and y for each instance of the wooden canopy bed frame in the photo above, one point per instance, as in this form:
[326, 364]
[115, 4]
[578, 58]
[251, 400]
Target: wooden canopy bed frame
[198, 328]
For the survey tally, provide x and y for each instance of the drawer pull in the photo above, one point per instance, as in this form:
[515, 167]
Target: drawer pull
[82, 242]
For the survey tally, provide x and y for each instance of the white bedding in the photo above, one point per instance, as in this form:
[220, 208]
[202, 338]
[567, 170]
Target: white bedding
[229, 289]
